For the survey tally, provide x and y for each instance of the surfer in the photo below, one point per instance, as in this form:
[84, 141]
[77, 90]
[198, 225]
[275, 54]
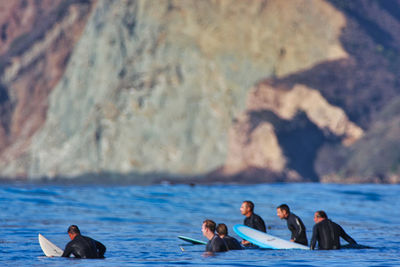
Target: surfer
[82, 246]
[294, 224]
[252, 220]
[327, 233]
[230, 241]
[215, 243]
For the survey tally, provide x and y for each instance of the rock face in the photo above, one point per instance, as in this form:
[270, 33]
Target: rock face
[242, 90]
[154, 88]
[37, 38]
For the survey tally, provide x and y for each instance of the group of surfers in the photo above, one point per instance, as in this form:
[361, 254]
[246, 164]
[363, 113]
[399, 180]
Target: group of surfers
[325, 232]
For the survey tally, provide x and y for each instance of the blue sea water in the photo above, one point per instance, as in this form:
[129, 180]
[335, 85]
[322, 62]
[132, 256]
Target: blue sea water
[140, 224]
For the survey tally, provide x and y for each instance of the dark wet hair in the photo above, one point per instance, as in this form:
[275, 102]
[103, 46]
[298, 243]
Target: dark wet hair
[222, 229]
[284, 207]
[322, 214]
[250, 204]
[73, 229]
[210, 224]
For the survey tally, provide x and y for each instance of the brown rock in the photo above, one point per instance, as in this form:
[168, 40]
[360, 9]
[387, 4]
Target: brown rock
[37, 39]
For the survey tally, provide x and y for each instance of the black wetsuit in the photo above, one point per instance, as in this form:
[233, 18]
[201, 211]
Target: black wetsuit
[232, 243]
[84, 247]
[297, 228]
[256, 222]
[328, 234]
[216, 244]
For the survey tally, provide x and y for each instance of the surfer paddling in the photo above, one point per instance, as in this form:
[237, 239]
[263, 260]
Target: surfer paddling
[327, 233]
[82, 246]
[294, 224]
[252, 220]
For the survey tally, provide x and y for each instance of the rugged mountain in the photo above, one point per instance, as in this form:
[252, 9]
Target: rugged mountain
[214, 90]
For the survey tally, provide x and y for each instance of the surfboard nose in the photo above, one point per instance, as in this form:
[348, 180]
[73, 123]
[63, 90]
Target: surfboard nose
[49, 249]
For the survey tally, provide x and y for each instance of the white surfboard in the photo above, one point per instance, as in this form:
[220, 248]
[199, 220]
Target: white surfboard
[264, 240]
[49, 249]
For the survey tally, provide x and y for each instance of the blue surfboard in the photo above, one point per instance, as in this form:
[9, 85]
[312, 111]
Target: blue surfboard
[191, 240]
[264, 240]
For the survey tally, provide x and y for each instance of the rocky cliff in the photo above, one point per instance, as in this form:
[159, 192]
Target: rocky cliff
[37, 39]
[214, 90]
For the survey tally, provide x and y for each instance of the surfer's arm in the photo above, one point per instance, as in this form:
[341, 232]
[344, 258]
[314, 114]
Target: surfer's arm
[101, 249]
[314, 238]
[67, 251]
[260, 225]
[345, 236]
[298, 229]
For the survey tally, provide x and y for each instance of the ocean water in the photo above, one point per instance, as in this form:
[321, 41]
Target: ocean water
[139, 224]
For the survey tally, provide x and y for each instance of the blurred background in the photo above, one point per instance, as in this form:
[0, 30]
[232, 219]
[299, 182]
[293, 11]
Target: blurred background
[200, 91]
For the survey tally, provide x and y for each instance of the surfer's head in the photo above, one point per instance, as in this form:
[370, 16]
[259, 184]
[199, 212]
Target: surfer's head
[320, 216]
[209, 224]
[247, 208]
[208, 228]
[283, 211]
[222, 230]
[73, 231]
